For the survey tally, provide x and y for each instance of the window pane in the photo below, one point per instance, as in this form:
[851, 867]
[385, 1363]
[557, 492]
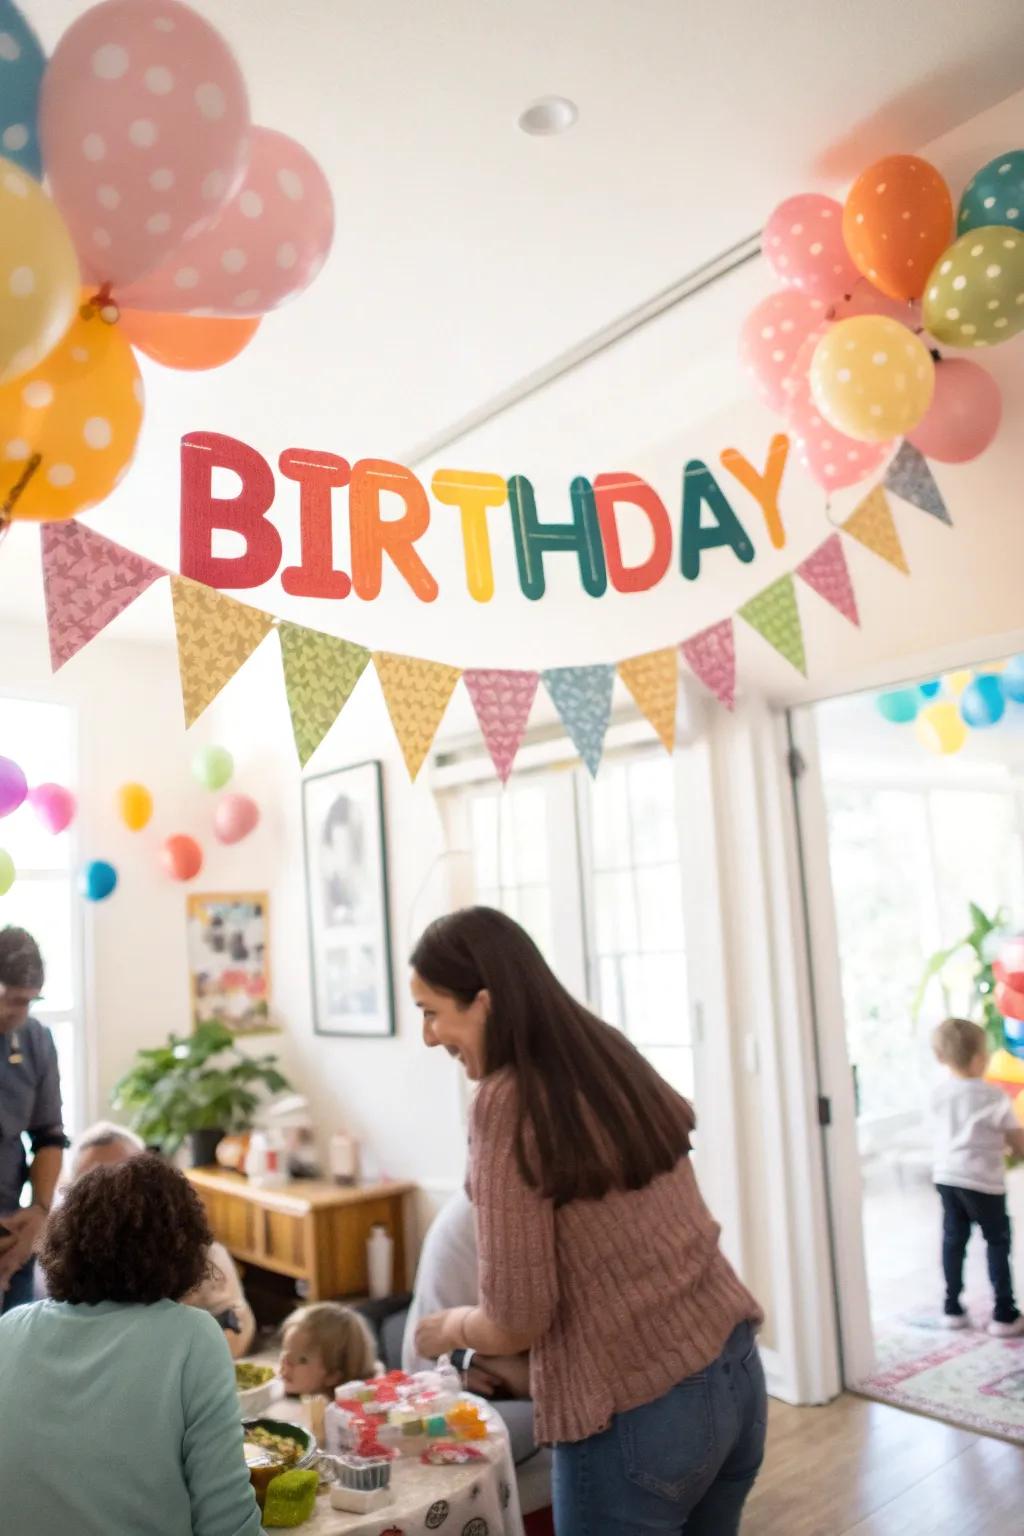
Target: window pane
[657, 1011]
[535, 915]
[39, 739]
[675, 1066]
[614, 914]
[652, 811]
[65, 1039]
[609, 819]
[609, 1001]
[659, 898]
[529, 814]
[43, 906]
[484, 832]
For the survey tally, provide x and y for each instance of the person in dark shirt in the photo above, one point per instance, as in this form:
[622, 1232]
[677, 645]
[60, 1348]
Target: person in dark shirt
[29, 1106]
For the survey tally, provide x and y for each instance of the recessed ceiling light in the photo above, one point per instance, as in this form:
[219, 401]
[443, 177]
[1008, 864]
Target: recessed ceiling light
[551, 114]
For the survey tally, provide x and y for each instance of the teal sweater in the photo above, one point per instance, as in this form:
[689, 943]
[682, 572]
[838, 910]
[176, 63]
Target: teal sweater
[120, 1419]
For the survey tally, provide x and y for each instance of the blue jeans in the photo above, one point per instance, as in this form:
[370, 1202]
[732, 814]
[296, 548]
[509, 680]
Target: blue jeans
[20, 1291]
[684, 1463]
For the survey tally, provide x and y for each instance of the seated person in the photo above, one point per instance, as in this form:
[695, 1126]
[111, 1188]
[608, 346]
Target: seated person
[447, 1277]
[323, 1346]
[220, 1291]
[118, 1406]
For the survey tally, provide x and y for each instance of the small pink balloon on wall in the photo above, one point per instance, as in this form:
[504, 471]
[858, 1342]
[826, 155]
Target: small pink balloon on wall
[235, 817]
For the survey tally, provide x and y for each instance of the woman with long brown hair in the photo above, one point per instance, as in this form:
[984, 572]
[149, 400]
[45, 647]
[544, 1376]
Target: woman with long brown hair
[596, 1250]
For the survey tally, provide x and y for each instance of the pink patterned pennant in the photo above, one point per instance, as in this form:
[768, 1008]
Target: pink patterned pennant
[88, 580]
[827, 572]
[711, 655]
[502, 701]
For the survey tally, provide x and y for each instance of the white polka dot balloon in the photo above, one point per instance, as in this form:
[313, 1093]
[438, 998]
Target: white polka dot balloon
[975, 294]
[803, 245]
[22, 62]
[872, 378]
[268, 243]
[68, 428]
[143, 118]
[829, 456]
[38, 273]
[771, 337]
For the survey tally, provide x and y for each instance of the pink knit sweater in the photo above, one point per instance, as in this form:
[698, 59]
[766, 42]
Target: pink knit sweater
[624, 1296]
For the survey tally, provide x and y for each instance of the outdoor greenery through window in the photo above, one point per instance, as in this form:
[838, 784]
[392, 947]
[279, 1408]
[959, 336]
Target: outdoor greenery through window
[592, 871]
[40, 738]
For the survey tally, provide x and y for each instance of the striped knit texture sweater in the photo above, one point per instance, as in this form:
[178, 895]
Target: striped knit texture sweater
[624, 1297]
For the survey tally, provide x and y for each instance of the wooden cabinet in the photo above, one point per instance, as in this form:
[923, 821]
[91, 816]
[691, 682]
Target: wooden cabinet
[305, 1229]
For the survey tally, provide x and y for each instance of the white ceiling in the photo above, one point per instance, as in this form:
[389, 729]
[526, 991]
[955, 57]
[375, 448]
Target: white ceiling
[469, 254]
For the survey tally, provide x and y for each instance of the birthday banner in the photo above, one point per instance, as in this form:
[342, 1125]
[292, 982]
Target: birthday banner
[89, 580]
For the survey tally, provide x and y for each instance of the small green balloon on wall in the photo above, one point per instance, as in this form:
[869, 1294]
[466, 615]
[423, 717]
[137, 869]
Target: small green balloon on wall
[213, 767]
[975, 294]
[7, 872]
[994, 195]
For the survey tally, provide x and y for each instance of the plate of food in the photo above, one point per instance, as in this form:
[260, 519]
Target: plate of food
[256, 1386]
[272, 1447]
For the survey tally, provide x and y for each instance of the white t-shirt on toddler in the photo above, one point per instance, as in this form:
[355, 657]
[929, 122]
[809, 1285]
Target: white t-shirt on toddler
[970, 1120]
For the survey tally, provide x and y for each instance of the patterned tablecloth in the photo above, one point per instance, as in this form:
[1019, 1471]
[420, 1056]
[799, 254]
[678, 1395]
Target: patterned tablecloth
[479, 1499]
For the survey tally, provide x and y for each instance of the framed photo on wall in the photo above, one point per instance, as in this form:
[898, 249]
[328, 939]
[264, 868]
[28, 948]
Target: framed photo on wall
[229, 961]
[347, 898]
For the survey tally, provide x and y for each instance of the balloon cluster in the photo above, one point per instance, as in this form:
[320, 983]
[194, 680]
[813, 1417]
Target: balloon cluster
[181, 856]
[171, 224]
[945, 711]
[846, 351]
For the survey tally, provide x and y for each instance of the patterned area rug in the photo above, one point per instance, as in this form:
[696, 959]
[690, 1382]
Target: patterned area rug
[966, 1378]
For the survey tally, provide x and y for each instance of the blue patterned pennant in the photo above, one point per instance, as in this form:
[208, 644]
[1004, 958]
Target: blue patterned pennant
[909, 478]
[583, 698]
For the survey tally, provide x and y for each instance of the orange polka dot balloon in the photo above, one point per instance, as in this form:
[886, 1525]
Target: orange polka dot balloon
[897, 221]
[872, 378]
[68, 428]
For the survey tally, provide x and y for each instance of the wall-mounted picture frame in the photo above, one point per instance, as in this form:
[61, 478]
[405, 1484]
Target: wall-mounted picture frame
[229, 960]
[347, 902]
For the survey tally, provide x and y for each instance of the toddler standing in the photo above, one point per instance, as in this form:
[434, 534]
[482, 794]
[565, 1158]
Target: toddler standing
[974, 1124]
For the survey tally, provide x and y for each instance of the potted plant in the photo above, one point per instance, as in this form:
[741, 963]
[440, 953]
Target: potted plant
[200, 1086]
[980, 938]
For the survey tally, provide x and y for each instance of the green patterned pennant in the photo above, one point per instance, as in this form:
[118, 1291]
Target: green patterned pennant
[773, 613]
[320, 672]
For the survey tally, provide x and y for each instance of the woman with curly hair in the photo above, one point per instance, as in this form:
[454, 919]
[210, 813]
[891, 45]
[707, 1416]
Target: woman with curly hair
[118, 1410]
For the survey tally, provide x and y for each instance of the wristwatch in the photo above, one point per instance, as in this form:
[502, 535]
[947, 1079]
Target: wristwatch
[462, 1359]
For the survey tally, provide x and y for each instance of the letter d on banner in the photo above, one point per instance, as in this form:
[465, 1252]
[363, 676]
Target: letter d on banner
[246, 513]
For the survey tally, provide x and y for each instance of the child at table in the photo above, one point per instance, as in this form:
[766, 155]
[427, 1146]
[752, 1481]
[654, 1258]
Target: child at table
[323, 1345]
[974, 1125]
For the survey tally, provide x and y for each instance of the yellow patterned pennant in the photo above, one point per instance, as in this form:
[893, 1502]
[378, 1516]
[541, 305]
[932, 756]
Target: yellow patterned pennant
[872, 525]
[215, 636]
[653, 680]
[417, 694]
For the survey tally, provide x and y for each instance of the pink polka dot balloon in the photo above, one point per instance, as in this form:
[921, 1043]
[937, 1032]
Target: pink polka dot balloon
[829, 456]
[772, 336]
[267, 244]
[144, 119]
[803, 244]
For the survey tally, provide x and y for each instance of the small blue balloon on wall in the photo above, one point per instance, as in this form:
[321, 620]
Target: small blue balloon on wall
[900, 706]
[97, 880]
[929, 690]
[1012, 679]
[982, 702]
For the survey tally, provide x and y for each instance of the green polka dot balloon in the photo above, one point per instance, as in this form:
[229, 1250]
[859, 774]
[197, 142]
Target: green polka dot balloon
[975, 294]
[994, 195]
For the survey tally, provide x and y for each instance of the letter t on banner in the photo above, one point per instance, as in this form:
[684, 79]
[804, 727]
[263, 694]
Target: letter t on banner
[473, 493]
[246, 513]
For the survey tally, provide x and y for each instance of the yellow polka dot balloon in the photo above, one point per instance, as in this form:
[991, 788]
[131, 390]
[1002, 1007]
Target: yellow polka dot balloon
[975, 294]
[68, 428]
[872, 378]
[38, 273]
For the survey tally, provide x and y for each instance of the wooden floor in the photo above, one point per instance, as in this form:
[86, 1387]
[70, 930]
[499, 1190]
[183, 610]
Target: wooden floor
[869, 1470]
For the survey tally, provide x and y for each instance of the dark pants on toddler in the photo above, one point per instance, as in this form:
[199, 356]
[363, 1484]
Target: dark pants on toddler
[961, 1209]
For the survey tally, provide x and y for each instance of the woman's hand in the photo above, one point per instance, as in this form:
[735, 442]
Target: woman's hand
[441, 1332]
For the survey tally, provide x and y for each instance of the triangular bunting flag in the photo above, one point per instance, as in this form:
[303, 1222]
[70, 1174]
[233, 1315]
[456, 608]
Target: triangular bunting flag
[827, 573]
[711, 656]
[773, 613]
[320, 672]
[417, 694]
[216, 635]
[653, 680]
[88, 580]
[871, 524]
[502, 701]
[583, 698]
[910, 478]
